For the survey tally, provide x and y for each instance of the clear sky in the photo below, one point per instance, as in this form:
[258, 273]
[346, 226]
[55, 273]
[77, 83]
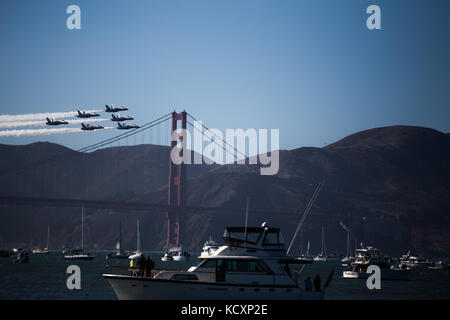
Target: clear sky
[310, 68]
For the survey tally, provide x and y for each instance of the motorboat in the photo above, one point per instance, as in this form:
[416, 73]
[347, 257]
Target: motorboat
[20, 256]
[253, 264]
[411, 261]
[118, 253]
[179, 254]
[167, 256]
[372, 256]
[79, 254]
[209, 248]
[440, 265]
[45, 250]
[322, 257]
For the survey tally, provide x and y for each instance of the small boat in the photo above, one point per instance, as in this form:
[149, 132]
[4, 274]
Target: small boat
[371, 256]
[348, 258]
[179, 254]
[252, 265]
[20, 256]
[118, 253]
[137, 254]
[45, 250]
[79, 254]
[411, 261]
[322, 257]
[167, 257]
[209, 248]
[440, 265]
[305, 258]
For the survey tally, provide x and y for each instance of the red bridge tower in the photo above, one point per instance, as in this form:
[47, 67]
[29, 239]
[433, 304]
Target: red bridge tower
[177, 182]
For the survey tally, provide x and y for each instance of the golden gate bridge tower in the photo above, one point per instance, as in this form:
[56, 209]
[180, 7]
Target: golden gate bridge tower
[177, 181]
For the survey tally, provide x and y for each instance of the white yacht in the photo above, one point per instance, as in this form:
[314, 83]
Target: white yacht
[209, 248]
[372, 256]
[251, 265]
[179, 254]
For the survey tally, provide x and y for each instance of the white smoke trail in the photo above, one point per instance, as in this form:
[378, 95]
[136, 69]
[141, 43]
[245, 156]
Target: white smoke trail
[41, 116]
[7, 125]
[38, 132]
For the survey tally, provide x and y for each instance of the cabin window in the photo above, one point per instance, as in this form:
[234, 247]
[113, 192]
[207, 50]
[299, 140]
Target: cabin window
[254, 266]
[271, 239]
[208, 264]
[237, 265]
[184, 277]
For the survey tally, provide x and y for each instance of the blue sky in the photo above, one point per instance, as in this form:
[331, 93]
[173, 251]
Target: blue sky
[310, 68]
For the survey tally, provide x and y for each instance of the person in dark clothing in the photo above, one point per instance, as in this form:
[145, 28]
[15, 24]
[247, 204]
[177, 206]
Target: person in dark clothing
[141, 265]
[308, 284]
[149, 265]
[317, 283]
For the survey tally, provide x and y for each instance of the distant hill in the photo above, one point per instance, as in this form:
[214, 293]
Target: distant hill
[397, 177]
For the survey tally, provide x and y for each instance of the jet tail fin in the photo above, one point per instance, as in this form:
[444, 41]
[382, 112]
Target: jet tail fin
[83, 125]
[107, 107]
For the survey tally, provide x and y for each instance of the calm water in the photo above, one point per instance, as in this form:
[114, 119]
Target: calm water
[44, 277]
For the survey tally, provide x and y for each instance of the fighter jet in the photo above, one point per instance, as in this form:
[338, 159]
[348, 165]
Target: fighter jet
[89, 127]
[114, 109]
[119, 118]
[126, 126]
[84, 114]
[53, 122]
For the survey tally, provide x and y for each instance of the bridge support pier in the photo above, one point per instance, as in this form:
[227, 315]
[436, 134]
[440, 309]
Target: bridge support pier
[177, 182]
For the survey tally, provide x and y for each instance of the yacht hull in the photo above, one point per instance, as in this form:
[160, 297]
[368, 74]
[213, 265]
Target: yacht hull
[134, 288]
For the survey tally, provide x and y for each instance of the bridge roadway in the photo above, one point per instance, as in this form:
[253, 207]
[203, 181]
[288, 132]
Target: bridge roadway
[163, 208]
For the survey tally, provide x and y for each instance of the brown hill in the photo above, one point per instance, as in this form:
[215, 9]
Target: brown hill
[400, 171]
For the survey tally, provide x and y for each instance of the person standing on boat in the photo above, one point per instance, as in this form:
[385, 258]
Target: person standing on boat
[317, 283]
[141, 265]
[132, 267]
[149, 265]
[308, 284]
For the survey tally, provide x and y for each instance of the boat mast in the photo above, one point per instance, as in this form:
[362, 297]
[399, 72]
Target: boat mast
[246, 220]
[348, 243]
[301, 243]
[82, 227]
[323, 240]
[120, 235]
[138, 237]
[48, 235]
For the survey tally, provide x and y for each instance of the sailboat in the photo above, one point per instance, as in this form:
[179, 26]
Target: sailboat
[79, 254]
[348, 258]
[322, 256]
[119, 253]
[304, 258]
[45, 250]
[136, 254]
